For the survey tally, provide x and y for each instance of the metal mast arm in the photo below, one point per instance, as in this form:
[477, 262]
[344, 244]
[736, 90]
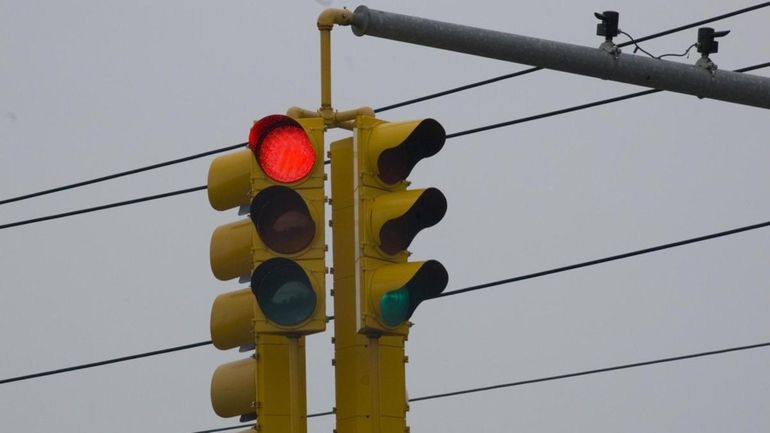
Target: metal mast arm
[722, 85]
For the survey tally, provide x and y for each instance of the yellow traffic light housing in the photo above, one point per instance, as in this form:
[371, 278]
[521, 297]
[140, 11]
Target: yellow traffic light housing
[279, 181]
[390, 216]
[232, 320]
[234, 389]
[280, 248]
[376, 289]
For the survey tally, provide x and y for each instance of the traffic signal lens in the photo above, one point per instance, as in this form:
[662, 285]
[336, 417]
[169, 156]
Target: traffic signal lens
[394, 306]
[283, 291]
[283, 148]
[398, 289]
[282, 219]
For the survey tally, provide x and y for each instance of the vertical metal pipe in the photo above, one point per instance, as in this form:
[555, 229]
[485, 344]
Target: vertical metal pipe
[326, 69]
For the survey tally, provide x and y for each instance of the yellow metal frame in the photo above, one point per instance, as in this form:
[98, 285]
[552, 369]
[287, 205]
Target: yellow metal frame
[369, 370]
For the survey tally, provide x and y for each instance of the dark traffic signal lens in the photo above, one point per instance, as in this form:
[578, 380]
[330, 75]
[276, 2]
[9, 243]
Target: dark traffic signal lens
[282, 220]
[283, 292]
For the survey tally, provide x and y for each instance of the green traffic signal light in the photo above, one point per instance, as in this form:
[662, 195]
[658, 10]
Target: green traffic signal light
[398, 289]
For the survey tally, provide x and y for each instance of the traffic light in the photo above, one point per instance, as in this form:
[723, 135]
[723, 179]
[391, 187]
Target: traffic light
[376, 289]
[390, 216]
[279, 249]
[279, 181]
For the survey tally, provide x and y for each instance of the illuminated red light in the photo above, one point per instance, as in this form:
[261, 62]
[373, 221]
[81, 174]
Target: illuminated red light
[283, 148]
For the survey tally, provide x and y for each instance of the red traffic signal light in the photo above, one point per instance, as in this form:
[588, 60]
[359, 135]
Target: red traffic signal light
[282, 148]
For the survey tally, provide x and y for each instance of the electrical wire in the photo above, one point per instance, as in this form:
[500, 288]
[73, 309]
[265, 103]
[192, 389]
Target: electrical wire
[639, 48]
[457, 89]
[607, 259]
[109, 361]
[381, 109]
[449, 136]
[121, 174]
[552, 113]
[102, 207]
[454, 292]
[698, 23]
[312, 415]
[549, 378]
[588, 372]
[578, 107]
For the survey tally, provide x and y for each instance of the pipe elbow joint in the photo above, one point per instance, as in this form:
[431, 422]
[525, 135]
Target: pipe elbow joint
[329, 17]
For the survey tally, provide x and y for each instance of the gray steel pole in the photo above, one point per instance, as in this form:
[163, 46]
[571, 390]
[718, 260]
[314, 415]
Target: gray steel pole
[722, 85]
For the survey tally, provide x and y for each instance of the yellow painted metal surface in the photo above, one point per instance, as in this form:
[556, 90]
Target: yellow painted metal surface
[230, 252]
[271, 384]
[229, 180]
[369, 371]
[232, 319]
[281, 404]
[234, 388]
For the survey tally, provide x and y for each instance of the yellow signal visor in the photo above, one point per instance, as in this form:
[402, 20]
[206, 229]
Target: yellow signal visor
[229, 181]
[396, 290]
[397, 217]
[395, 148]
[232, 319]
[234, 388]
[231, 250]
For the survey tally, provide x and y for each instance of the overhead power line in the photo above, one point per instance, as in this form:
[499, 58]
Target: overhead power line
[589, 372]
[552, 113]
[109, 361]
[457, 89]
[381, 109]
[123, 173]
[102, 207]
[312, 415]
[578, 107]
[608, 259]
[546, 379]
[697, 23]
[454, 292]
[449, 136]
[535, 69]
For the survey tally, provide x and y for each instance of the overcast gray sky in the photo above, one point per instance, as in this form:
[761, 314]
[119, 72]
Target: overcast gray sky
[88, 88]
